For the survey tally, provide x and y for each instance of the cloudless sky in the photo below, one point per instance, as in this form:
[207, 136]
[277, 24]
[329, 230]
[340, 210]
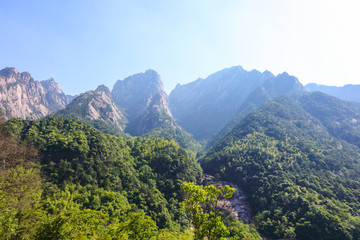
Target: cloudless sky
[83, 44]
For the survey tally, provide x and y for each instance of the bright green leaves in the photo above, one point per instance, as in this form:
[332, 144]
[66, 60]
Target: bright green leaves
[204, 204]
[20, 192]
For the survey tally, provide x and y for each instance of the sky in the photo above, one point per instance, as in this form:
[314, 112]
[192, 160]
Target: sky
[86, 43]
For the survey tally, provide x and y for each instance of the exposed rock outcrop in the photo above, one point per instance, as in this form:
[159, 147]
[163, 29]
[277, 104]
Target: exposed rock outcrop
[145, 102]
[23, 97]
[238, 204]
[98, 109]
[203, 106]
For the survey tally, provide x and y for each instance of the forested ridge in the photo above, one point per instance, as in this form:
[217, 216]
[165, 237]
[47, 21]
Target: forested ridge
[77, 175]
[63, 179]
[301, 181]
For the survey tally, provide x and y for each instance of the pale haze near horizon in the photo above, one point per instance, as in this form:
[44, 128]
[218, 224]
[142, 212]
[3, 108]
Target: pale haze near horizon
[83, 44]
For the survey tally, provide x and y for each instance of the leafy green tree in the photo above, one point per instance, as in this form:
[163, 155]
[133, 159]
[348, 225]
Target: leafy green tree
[204, 205]
[20, 193]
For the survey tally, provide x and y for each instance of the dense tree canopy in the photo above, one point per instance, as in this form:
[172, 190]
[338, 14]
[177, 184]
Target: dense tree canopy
[301, 181]
[84, 184]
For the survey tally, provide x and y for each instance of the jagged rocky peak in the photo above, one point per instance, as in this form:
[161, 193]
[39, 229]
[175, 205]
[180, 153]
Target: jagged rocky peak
[141, 84]
[14, 75]
[143, 97]
[283, 84]
[8, 72]
[22, 97]
[98, 109]
[104, 89]
[51, 85]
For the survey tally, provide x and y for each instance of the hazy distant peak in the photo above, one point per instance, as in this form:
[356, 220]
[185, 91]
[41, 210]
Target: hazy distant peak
[349, 92]
[50, 80]
[140, 84]
[284, 74]
[227, 71]
[289, 79]
[103, 88]
[148, 75]
[51, 86]
[312, 85]
[268, 73]
[237, 68]
[151, 72]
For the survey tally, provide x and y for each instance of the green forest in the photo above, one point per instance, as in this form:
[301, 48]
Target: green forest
[301, 181]
[297, 162]
[63, 179]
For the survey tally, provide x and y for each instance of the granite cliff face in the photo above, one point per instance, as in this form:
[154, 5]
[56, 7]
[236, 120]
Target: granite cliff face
[23, 97]
[145, 102]
[55, 96]
[98, 109]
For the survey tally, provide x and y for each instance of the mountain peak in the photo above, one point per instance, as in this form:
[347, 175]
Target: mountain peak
[26, 98]
[103, 88]
[284, 74]
[145, 101]
[8, 71]
[151, 71]
[51, 85]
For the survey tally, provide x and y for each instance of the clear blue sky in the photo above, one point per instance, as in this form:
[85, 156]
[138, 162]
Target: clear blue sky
[83, 44]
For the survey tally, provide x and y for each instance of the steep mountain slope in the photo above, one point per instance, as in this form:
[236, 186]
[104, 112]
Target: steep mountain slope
[205, 105]
[341, 118]
[148, 172]
[22, 97]
[98, 109]
[300, 179]
[347, 92]
[201, 107]
[145, 102]
[282, 84]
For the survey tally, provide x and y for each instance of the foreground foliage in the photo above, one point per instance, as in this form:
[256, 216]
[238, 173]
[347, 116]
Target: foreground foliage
[202, 204]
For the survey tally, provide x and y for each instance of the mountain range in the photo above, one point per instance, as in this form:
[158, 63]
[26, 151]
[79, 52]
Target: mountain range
[349, 92]
[294, 151]
[23, 97]
[203, 106]
[300, 170]
[138, 105]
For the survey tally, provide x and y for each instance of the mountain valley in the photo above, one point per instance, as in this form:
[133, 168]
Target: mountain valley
[121, 155]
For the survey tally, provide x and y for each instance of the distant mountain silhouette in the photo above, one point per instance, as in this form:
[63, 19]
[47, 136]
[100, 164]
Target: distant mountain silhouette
[347, 92]
[212, 106]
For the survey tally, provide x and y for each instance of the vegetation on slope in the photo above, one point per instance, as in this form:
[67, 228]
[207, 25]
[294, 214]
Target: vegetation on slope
[184, 139]
[301, 181]
[84, 184]
[341, 118]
